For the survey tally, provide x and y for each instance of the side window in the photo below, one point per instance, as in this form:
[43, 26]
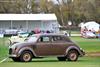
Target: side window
[57, 38]
[44, 39]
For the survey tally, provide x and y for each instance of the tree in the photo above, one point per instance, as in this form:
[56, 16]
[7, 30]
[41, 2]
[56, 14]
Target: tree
[14, 6]
[66, 10]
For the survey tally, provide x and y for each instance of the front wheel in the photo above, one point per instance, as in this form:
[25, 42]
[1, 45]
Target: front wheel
[72, 55]
[26, 56]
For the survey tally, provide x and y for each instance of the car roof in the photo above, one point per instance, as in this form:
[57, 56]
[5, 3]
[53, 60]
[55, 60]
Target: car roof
[49, 34]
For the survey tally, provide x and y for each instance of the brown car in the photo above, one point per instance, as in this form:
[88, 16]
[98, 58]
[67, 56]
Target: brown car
[43, 45]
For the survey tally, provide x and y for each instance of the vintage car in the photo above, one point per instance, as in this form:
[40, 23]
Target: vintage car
[45, 45]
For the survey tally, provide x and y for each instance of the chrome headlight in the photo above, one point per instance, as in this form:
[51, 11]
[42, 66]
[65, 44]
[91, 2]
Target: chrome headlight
[82, 51]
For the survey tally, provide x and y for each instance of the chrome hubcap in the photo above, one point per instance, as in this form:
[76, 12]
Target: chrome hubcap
[26, 57]
[73, 56]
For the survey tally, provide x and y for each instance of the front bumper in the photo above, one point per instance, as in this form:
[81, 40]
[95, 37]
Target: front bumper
[83, 52]
[10, 56]
[12, 53]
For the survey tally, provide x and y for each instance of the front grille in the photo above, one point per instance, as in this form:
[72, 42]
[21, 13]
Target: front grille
[10, 51]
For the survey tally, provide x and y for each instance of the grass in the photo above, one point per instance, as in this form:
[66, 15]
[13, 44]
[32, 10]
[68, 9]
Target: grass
[89, 45]
[75, 32]
[53, 62]
[3, 48]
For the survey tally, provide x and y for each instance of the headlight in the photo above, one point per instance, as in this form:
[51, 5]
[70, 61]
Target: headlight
[82, 51]
[9, 47]
[14, 46]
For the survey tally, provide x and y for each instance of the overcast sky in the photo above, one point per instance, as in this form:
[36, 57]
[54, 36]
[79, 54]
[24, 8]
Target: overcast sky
[53, 1]
[56, 1]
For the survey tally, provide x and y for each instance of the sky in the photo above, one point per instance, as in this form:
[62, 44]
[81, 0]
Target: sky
[55, 1]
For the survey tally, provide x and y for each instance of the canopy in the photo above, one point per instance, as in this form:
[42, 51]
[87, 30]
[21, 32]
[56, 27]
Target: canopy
[28, 17]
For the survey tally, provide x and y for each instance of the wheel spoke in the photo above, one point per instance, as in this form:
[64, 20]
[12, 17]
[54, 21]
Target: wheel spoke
[72, 55]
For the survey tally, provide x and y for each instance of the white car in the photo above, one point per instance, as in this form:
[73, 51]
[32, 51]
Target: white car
[11, 32]
[16, 39]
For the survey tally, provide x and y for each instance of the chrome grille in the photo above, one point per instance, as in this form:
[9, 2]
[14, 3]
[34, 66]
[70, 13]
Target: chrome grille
[10, 51]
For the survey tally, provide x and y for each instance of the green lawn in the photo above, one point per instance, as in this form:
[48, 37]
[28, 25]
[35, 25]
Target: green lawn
[75, 32]
[53, 62]
[89, 45]
[3, 48]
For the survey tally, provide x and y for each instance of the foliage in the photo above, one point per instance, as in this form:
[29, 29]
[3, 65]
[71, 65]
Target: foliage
[66, 10]
[14, 6]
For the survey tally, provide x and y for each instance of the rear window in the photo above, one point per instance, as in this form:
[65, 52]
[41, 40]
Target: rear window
[60, 38]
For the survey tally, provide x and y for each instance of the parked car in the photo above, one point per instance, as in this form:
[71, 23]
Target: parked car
[23, 34]
[45, 45]
[10, 32]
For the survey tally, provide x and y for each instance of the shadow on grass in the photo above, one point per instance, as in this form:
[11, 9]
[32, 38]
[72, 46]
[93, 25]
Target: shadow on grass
[37, 61]
[40, 61]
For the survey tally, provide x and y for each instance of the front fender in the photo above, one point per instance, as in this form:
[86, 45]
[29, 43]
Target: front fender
[26, 48]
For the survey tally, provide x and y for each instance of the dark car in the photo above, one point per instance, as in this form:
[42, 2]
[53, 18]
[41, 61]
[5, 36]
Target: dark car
[45, 45]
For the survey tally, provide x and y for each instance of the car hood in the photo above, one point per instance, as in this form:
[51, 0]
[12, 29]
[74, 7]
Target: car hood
[22, 44]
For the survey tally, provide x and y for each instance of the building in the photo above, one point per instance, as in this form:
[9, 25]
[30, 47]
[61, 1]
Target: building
[28, 22]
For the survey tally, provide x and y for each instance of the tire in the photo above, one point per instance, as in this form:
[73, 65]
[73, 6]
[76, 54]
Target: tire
[15, 59]
[26, 56]
[61, 58]
[72, 55]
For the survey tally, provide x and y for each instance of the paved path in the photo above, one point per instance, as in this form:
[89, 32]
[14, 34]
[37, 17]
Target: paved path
[97, 54]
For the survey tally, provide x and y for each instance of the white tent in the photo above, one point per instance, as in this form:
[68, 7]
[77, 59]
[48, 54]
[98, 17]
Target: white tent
[28, 17]
[89, 29]
[28, 22]
[92, 25]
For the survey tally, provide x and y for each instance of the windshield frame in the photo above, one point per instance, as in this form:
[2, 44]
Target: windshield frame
[28, 38]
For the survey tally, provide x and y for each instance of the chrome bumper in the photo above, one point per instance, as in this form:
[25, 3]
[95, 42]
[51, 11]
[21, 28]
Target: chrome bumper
[10, 56]
[83, 52]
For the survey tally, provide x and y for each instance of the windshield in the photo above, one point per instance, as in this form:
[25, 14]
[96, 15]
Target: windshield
[32, 39]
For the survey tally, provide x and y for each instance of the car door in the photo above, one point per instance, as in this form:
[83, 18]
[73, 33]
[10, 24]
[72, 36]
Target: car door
[43, 46]
[58, 45]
